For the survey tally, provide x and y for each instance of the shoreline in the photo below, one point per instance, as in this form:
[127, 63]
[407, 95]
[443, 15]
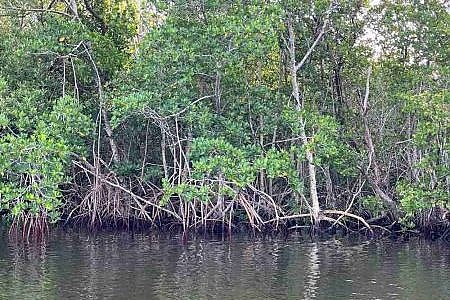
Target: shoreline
[433, 232]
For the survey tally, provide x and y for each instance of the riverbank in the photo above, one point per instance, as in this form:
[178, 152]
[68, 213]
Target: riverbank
[439, 230]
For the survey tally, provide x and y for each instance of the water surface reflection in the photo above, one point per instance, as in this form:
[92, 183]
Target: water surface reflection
[125, 266]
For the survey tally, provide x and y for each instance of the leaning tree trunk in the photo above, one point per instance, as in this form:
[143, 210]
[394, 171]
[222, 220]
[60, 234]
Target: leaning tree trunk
[375, 181]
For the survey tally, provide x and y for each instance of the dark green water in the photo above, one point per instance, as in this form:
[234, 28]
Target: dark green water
[125, 266]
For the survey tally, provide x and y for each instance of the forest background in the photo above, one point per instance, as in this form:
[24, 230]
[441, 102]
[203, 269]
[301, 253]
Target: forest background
[214, 113]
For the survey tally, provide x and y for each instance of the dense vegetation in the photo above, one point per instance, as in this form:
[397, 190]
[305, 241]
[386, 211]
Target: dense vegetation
[211, 112]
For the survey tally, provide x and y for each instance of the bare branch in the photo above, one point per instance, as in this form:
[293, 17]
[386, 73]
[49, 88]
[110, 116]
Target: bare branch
[318, 38]
[21, 9]
[366, 96]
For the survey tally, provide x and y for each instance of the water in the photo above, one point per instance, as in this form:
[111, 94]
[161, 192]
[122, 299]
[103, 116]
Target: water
[125, 266]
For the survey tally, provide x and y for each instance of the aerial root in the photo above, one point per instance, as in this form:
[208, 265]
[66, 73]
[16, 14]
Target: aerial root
[347, 214]
[325, 218]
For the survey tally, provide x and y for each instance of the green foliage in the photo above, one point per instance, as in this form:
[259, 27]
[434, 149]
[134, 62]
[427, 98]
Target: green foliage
[187, 192]
[198, 96]
[35, 147]
[31, 170]
[226, 170]
[433, 109]
[325, 139]
[214, 158]
[416, 199]
[39, 130]
[373, 205]
[414, 31]
[278, 164]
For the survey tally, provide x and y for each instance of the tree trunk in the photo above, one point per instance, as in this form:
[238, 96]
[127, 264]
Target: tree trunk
[109, 133]
[373, 164]
[315, 208]
[330, 199]
[74, 9]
